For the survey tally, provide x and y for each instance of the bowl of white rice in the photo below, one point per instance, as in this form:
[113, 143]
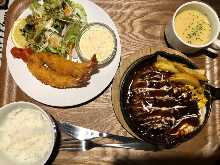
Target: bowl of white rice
[27, 134]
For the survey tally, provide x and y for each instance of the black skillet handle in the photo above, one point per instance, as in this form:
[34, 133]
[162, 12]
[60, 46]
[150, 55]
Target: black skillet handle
[215, 92]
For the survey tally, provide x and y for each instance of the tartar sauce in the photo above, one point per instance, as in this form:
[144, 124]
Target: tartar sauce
[97, 40]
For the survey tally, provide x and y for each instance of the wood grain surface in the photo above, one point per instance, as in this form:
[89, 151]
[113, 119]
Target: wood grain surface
[141, 25]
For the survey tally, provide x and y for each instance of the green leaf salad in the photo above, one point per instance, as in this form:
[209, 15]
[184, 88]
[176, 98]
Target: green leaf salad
[54, 26]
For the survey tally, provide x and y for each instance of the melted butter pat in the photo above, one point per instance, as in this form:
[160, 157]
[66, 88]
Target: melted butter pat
[97, 40]
[193, 27]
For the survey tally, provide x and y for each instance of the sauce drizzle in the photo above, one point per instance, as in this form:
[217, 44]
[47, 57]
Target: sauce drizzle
[160, 108]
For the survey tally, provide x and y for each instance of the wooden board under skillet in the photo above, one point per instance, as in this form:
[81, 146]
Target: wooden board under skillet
[141, 25]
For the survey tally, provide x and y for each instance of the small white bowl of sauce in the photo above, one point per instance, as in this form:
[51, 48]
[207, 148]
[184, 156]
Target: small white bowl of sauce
[97, 39]
[27, 134]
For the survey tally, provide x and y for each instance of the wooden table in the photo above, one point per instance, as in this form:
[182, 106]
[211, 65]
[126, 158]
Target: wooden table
[140, 24]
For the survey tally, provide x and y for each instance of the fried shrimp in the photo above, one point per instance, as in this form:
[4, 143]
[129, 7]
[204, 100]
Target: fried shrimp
[67, 67]
[56, 71]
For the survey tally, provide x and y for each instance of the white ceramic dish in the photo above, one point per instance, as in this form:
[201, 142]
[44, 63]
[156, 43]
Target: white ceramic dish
[107, 60]
[73, 96]
[5, 110]
[176, 42]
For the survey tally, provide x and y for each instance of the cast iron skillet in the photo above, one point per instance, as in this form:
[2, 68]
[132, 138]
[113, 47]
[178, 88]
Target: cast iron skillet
[211, 94]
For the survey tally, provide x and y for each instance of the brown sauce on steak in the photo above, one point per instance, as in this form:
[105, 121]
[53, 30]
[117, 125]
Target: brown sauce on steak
[159, 107]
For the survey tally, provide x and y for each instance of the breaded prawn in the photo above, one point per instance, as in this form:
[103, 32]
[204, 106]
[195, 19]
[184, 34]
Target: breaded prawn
[42, 70]
[67, 67]
[55, 70]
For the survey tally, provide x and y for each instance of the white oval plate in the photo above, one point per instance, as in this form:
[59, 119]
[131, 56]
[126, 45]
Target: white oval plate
[65, 97]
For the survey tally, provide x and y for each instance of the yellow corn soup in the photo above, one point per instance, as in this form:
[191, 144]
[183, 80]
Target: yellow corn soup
[193, 27]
